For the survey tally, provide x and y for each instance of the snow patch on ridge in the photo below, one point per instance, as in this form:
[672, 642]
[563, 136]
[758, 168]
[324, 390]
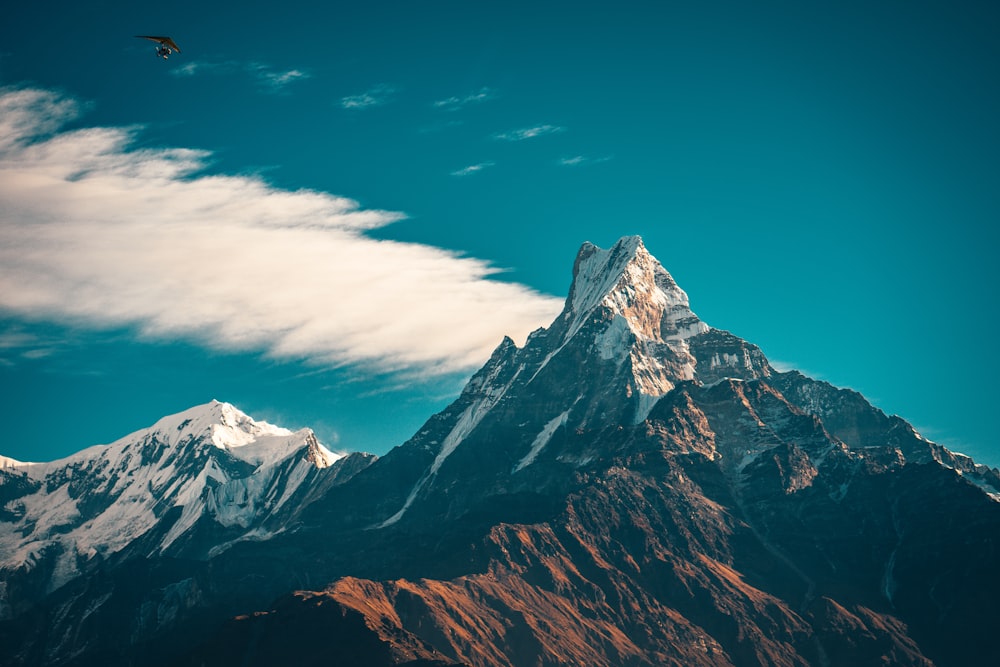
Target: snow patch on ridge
[728, 360]
[613, 339]
[542, 439]
[7, 462]
[982, 484]
[645, 405]
[468, 421]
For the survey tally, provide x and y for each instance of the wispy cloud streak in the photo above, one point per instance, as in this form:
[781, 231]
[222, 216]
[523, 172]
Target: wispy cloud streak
[582, 160]
[96, 232]
[455, 103]
[529, 132]
[268, 78]
[472, 169]
[373, 97]
[278, 80]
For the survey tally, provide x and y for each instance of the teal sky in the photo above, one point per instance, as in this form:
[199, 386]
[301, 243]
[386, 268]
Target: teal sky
[329, 215]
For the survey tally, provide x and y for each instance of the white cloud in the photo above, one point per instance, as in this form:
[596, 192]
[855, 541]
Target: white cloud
[198, 67]
[472, 169]
[374, 97]
[94, 231]
[26, 114]
[267, 77]
[580, 160]
[277, 80]
[18, 343]
[455, 103]
[529, 132]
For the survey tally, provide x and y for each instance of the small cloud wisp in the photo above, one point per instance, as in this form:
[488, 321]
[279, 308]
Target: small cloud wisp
[583, 160]
[472, 169]
[455, 103]
[529, 133]
[267, 77]
[374, 97]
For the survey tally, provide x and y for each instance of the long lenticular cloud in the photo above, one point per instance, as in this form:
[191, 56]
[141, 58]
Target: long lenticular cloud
[96, 232]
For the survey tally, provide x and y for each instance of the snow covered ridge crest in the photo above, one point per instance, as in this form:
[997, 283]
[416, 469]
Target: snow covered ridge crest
[208, 468]
[630, 282]
[637, 313]
[230, 429]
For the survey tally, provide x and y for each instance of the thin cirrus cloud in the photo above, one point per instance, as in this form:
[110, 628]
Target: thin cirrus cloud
[529, 132]
[455, 103]
[96, 232]
[278, 80]
[373, 97]
[582, 160]
[472, 169]
[266, 77]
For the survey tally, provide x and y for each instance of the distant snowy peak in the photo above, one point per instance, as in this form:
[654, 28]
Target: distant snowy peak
[209, 470]
[225, 425]
[227, 428]
[628, 281]
[217, 424]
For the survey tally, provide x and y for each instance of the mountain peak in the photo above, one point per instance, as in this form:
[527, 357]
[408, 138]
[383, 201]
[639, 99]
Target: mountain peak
[623, 306]
[596, 271]
[226, 425]
[208, 468]
[627, 281]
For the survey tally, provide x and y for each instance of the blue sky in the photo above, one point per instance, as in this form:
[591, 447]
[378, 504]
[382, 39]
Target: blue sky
[329, 215]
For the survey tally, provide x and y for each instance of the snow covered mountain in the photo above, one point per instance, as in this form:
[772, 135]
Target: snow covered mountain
[190, 485]
[626, 339]
[630, 487]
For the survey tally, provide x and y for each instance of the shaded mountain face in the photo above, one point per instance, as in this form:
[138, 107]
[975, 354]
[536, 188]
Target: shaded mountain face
[630, 487]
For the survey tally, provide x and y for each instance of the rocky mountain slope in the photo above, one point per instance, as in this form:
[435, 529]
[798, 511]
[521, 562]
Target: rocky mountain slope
[630, 487]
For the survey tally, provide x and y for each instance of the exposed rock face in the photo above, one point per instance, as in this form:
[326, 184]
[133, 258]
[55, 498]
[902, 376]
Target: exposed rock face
[632, 487]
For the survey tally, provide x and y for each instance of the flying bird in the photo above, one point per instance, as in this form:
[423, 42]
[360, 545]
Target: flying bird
[166, 45]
